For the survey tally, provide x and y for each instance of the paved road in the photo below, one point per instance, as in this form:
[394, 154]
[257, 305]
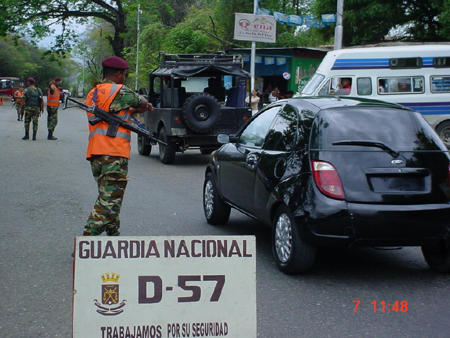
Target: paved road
[47, 191]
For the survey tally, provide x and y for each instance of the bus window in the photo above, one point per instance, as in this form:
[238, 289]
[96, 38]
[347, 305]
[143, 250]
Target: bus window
[364, 86]
[440, 84]
[400, 85]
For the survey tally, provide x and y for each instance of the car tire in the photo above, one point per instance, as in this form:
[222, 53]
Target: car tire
[217, 212]
[201, 112]
[144, 146]
[443, 130]
[166, 153]
[437, 257]
[292, 254]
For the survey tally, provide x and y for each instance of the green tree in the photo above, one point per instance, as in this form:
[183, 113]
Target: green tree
[38, 17]
[370, 21]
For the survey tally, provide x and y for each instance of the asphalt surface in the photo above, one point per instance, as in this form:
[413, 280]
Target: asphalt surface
[47, 192]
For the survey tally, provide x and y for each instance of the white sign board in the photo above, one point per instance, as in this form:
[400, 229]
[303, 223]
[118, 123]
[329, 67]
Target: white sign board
[164, 287]
[253, 27]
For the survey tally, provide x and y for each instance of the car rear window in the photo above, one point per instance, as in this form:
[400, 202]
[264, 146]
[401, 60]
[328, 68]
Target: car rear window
[399, 129]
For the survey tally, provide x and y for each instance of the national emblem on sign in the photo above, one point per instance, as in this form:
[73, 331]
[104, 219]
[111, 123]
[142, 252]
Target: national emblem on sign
[110, 296]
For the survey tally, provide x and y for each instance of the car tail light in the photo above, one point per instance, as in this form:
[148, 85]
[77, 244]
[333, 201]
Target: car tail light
[246, 119]
[327, 179]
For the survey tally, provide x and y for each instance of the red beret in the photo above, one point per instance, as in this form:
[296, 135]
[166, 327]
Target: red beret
[57, 79]
[115, 62]
[31, 80]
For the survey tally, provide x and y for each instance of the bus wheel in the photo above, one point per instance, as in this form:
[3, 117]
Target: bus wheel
[443, 130]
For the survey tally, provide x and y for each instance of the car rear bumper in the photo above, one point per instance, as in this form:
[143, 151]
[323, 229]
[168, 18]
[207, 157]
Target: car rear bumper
[378, 225]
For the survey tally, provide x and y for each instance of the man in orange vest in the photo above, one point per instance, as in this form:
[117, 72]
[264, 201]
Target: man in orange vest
[18, 96]
[52, 106]
[108, 155]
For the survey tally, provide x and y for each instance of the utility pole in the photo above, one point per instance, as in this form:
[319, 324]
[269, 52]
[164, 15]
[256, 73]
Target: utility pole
[84, 65]
[253, 53]
[338, 31]
[137, 48]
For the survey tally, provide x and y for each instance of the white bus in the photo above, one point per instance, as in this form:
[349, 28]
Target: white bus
[415, 76]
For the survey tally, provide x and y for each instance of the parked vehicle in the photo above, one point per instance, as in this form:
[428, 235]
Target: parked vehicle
[326, 171]
[62, 93]
[9, 85]
[195, 97]
[415, 76]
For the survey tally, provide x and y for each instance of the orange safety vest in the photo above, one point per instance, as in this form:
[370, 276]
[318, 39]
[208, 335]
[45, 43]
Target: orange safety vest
[20, 96]
[99, 144]
[53, 99]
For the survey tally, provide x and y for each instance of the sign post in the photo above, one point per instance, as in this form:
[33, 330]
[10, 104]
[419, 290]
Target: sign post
[147, 287]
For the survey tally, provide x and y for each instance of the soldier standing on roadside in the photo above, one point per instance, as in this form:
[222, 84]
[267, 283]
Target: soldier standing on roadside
[18, 96]
[109, 156]
[33, 104]
[52, 106]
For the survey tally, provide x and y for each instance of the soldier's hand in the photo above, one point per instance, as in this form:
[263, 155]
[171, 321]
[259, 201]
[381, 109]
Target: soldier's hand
[149, 107]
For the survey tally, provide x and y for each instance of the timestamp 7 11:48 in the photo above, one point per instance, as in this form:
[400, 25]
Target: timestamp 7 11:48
[397, 306]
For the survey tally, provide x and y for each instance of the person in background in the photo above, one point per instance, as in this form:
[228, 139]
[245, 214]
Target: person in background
[289, 94]
[109, 156]
[18, 97]
[275, 95]
[33, 104]
[53, 96]
[254, 99]
[344, 87]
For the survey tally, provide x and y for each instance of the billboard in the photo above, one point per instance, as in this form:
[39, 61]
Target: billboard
[253, 27]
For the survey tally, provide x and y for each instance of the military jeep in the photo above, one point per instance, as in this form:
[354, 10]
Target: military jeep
[195, 98]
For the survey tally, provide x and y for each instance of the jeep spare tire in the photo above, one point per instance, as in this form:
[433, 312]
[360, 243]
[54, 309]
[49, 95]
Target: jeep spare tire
[201, 112]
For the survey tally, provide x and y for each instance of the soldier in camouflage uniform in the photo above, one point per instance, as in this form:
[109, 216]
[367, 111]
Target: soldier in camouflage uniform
[53, 96]
[109, 156]
[33, 105]
[18, 96]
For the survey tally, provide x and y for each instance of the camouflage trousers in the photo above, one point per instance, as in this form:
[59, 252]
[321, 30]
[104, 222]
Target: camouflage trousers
[52, 118]
[32, 115]
[21, 112]
[111, 175]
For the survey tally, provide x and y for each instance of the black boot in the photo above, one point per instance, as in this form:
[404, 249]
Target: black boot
[34, 135]
[27, 135]
[50, 136]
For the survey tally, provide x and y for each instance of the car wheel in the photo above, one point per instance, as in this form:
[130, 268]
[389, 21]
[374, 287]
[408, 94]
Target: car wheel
[216, 211]
[144, 146]
[291, 253]
[437, 257]
[443, 130]
[201, 112]
[166, 153]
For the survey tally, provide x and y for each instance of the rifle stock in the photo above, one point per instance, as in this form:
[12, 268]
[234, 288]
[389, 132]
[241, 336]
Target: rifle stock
[113, 120]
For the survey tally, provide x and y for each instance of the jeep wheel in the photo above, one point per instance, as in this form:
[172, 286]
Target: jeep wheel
[292, 255]
[201, 112]
[217, 212]
[144, 146]
[166, 153]
[207, 150]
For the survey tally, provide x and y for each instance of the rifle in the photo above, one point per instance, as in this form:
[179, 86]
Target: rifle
[113, 120]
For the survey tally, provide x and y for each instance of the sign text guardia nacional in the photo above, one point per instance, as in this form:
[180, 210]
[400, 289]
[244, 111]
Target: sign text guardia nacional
[182, 286]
